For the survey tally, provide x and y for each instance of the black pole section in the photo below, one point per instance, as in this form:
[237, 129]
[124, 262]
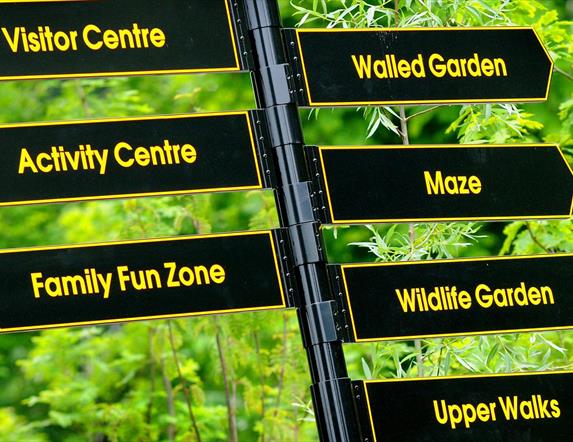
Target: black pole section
[331, 389]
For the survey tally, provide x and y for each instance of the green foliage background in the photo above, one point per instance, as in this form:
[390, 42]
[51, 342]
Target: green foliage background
[245, 377]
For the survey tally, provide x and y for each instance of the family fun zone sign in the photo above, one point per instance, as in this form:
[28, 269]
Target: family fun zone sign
[91, 284]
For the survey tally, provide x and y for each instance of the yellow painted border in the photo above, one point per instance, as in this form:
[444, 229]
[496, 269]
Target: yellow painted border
[269, 233]
[413, 102]
[443, 262]
[142, 194]
[43, 1]
[321, 149]
[442, 378]
[235, 68]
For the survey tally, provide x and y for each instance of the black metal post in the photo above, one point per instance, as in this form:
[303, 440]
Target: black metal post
[274, 87]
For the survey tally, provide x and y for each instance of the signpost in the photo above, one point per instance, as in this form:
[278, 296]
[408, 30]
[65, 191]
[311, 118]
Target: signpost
[70, 39]
[512, 407]
[97, 159]
[422, 65]
[445, 183]
[124, 281]
[136, 280]
[458, 297]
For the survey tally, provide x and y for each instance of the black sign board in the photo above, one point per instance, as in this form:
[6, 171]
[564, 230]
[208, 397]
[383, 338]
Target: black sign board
[140, 280]
[76, 38]
[493, 408]
[355, 67]
[88, 160]
[445, 183]
[458, 297]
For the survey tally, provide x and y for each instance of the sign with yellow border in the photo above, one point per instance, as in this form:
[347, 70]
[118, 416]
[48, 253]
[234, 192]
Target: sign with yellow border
[374, 184]
[458, 297]
[76, 38]
[128, 157]
[478, 408]
[422, 66]
[113, 282]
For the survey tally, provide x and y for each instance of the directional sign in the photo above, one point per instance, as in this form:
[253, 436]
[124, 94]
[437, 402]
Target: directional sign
[514, 407]
[354, 67]
[137, 280]
[76, 38]
[458, 297]
[445, 183]
[89, 160]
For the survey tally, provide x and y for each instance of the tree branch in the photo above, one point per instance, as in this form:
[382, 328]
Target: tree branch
[397, 12]
[186, 391]
[231, 417]
[564, 73]
[83, 98]
[442, 346]
[280, 385]
[152, 367]
[261, 381]
[412, 228]
[171, 429]
[404, 126]
[425, 111]
[536, 240]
